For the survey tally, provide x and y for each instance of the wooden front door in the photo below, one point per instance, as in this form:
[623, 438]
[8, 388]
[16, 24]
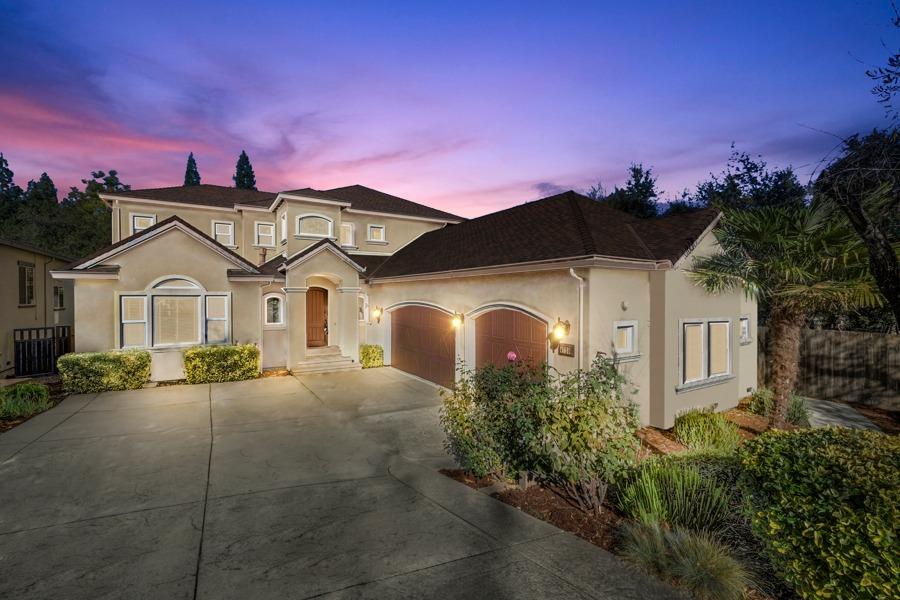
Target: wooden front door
[316, 317]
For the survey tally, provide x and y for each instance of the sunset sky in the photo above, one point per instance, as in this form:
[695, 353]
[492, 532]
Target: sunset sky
[469, 107]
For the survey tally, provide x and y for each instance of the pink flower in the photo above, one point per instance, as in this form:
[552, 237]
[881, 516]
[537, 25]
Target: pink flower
[511, 356]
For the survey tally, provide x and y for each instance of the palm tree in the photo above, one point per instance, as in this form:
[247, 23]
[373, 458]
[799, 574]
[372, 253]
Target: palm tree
[798, 260]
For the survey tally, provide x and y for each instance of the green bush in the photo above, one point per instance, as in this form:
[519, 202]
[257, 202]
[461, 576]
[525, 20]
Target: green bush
[23, 400]
[693, 561]
[217, 364]
[763, 401]
[826, 504]
[670, 493]
[705, 429]
[371, 355]
[575, 431]
[90, 372]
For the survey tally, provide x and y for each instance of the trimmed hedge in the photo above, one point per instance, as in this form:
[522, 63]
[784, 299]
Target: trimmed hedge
[826, 504]
[90, 372]
[217, 364]
[23, 400]
[371, 355]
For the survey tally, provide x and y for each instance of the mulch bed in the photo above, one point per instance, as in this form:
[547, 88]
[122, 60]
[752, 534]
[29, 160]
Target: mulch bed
[544, 504]
[57, 395]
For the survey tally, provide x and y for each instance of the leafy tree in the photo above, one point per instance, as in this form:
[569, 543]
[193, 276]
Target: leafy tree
[243, 174]
[887, 78]
[87, 217]
[639, 196]
[35, 219]
[748, 183]
[191, 173]
[864, 183]
[798, 260]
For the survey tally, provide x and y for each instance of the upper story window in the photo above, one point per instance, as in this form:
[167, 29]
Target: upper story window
[223, 232]
[26, 284]
[284, 231]
[705, 350]
[315, 226]
[348, 235]
[140, 222]
[59, 298]
[265, 234]
[376, 235]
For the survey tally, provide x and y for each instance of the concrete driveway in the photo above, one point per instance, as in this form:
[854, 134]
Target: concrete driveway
[324, 486]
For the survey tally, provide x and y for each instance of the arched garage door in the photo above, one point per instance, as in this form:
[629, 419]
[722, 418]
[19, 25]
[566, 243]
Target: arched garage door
[423, 342]
[503, 330]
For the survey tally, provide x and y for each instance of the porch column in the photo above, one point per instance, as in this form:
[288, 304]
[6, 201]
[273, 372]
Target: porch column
[348, 324]
[295, 309]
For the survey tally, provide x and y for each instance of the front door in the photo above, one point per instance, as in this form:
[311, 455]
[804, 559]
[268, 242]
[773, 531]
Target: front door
[316, 317]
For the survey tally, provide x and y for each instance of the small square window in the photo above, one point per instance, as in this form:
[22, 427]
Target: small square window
[625, 337]
[141, 222]
[223, 232]
[376, 234]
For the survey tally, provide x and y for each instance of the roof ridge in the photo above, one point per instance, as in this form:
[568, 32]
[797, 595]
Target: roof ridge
[584, 232]
[640, 241]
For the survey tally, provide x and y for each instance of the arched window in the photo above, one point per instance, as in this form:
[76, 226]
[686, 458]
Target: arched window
[176, 283]
[274, 308]
[315, 226]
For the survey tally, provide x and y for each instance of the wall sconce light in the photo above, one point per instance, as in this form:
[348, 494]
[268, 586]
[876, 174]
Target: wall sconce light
[456, 320]
[558, 333]
[376, 314]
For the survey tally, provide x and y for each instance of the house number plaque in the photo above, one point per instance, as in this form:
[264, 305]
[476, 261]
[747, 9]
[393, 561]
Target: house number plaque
[566, 350]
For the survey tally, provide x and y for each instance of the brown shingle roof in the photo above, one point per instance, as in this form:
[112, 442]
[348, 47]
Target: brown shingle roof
[33, 249]
[563, 226]
[361, 197]
[203, 194]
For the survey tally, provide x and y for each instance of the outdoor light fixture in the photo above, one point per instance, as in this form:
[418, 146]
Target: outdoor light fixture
[376, 313]
[456, 320]
[560, 330]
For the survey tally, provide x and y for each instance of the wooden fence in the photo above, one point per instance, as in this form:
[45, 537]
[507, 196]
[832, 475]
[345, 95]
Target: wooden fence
[853, 366]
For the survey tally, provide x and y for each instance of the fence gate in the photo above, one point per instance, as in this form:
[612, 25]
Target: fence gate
[37, 348]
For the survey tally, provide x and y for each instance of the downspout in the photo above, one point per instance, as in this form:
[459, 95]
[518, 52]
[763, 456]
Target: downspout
[580, 346]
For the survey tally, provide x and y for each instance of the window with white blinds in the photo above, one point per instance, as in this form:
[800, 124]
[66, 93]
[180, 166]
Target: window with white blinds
[176, 320]
[175, 312]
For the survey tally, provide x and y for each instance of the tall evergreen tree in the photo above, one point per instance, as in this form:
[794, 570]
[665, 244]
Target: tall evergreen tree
[36, 219]
[243, 173]
[639, 197]
[10, 193]
[191, 174]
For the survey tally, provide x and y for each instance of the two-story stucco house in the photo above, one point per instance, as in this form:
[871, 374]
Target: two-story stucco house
[309, 275]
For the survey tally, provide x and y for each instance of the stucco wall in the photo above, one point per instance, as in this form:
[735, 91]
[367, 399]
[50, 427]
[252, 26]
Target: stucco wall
[398, 232]
[42, 314]
[676, 297]
[96, 301]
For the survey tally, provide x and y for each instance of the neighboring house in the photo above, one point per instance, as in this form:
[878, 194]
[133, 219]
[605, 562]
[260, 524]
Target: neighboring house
[29, 296]
[309, 275]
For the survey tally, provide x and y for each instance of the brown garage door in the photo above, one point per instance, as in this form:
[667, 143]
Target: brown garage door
[503, 330]
[423, 342]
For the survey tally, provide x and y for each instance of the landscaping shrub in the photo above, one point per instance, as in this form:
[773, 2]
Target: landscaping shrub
[575, 431]
[217, 364]
[670, 493]
[371, 355]
[23, 400]
[826, 504]
[90, 372]
[763, 401]
[693, 561]
[705, 429]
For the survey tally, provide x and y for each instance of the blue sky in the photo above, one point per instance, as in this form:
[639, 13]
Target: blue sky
[471, 107]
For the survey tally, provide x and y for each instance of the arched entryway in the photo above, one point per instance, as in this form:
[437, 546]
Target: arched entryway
[316, 317]
[505, 334]
[423, 343]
